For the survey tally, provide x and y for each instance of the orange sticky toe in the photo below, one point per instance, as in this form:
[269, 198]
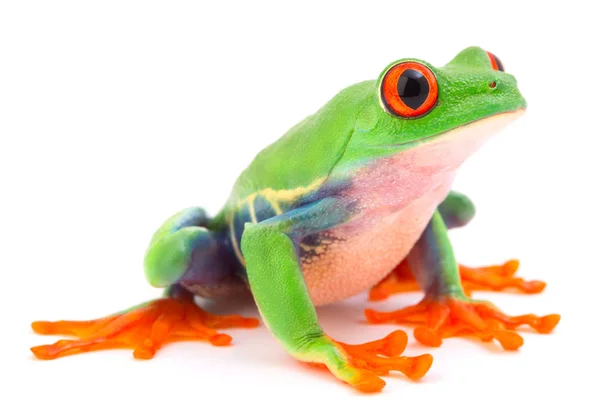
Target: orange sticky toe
[382, 356]
[487, 278]
[144, 329]
[446, 317]
[498, 278]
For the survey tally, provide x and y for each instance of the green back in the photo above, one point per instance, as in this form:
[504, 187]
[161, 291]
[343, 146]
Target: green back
[308, 151]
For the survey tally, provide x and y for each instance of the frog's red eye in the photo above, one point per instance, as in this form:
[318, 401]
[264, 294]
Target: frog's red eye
[495, 61]
[409, 90]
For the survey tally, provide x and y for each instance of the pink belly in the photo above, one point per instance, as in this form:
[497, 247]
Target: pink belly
[367, 250]
[396, 197]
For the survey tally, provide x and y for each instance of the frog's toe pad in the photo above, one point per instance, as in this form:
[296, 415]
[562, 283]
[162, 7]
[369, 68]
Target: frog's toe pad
[445, 317]
[382, 356]
[144, 329]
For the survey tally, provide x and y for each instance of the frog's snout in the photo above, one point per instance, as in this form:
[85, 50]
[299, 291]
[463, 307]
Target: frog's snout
[523, 104]
[506, 85]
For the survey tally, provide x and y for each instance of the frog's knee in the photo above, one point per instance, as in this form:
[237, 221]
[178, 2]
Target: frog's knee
[457, 210]
[189, 217]
[169, 258]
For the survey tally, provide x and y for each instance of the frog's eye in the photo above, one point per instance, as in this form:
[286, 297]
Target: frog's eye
[409, 90]
[495, 61]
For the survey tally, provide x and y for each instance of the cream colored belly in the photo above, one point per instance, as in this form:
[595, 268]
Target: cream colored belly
[365, 251]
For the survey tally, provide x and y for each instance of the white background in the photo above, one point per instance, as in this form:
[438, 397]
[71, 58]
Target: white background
[116, 114]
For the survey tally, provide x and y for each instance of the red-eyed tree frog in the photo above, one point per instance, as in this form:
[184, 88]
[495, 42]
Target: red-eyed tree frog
[356, 197]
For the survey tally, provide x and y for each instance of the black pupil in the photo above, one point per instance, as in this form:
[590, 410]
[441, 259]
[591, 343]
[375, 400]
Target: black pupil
[413, 88]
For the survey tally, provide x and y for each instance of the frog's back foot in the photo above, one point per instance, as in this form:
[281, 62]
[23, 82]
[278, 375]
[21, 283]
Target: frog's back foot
[186, 252]
[145, 328]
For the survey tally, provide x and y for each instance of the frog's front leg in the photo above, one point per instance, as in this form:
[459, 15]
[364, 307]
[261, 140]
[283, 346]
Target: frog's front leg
[457, 210]
[270, 249]
[445, 310]
[182, 249]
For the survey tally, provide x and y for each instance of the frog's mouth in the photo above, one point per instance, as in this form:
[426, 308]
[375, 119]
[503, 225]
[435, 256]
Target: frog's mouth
[445, 152]
[477, 131]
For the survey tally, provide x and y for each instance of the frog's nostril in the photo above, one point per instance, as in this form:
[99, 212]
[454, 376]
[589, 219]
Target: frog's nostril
[493, 84]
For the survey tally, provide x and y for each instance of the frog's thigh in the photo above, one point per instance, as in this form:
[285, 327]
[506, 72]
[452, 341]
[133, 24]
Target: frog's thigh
[456, 210]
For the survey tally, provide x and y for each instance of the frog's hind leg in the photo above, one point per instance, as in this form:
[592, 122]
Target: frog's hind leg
[183, 256]
[457, 210]
[446, 311]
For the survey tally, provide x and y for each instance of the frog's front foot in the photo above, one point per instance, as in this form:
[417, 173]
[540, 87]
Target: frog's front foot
[487, 278]
[144, 329]
[446, 316]
[361, 365]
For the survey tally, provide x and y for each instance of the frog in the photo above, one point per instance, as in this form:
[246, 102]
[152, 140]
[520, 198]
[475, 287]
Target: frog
[356, 198]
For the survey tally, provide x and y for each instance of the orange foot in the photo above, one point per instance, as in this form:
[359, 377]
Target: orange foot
[446, 317]
[144, 329]
[382, 356]
[361, 365]
[487, 278]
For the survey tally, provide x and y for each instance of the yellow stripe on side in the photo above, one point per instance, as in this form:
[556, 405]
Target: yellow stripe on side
[252, 211]
[275, 206]
[274, 198]
[234, 242]
[277, 196]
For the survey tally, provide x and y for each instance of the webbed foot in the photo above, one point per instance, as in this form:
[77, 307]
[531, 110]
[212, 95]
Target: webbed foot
[145, 329]
[361, 365]
[382, 356]
[488, 278]
[443, 317]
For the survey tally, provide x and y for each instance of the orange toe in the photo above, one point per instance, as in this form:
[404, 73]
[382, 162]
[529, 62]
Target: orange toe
[418, 366]
[509, 340]
[368, 382]
[547, 323]
[427, 336]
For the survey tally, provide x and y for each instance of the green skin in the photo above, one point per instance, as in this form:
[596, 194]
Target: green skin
[304, 172]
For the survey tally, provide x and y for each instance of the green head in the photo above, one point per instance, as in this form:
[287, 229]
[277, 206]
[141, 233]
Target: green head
[412, 102]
